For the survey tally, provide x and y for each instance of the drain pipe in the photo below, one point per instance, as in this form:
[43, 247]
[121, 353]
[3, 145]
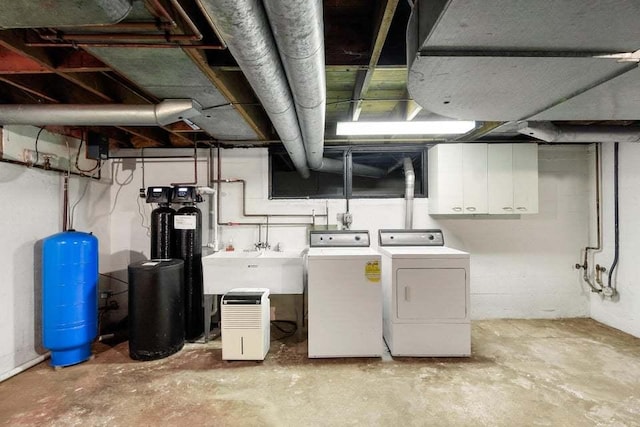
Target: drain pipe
[410, 183]
[244, 27]
[610, 291]
[585, 264]
[166, 112]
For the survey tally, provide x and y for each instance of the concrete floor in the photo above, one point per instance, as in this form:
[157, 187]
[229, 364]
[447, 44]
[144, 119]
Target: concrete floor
[523, 372]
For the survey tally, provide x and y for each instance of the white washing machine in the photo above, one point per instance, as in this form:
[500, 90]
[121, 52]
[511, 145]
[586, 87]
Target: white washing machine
[425, 294]
[345, 296]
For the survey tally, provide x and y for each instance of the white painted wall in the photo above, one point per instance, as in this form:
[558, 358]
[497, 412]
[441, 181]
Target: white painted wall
[623, 312]
[521, 268]
[32, 211]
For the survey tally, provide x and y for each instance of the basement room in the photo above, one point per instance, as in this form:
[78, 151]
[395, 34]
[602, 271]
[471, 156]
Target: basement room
[319, 213]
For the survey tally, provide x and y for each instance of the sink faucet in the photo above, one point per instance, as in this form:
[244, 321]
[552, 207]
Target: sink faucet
[262, 245]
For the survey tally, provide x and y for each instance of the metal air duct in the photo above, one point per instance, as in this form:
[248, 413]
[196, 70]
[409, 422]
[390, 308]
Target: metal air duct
[549, 132]
[297, 27]
[62, 13]
[244, 27]
[410, 184]
[337, 166]
[164, 113]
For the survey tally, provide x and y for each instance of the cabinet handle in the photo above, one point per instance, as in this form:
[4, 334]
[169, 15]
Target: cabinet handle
[507, 208]
[457, 209]
[471, 208]
[406, 293]
[521, 208]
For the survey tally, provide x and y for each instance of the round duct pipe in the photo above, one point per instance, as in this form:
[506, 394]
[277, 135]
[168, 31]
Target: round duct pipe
[244, 27]
[164, 113]
[298, 31]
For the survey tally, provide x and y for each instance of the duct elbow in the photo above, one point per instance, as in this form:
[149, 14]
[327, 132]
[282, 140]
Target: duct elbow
[173, 110]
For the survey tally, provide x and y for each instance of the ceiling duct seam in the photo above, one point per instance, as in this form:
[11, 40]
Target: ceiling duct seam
[246, 31]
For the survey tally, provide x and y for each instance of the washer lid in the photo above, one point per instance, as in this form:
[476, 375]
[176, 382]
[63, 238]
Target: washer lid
[411, 237]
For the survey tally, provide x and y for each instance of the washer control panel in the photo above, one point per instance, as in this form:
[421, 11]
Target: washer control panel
[411, 238]
[339, 239]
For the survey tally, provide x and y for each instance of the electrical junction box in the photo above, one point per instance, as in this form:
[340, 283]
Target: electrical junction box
[97, 146]
[246, 325]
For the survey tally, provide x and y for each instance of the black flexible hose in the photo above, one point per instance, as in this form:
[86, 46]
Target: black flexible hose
[615, 213]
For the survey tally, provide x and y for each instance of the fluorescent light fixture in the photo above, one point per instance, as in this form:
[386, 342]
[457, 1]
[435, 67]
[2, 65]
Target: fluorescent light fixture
[443, 127]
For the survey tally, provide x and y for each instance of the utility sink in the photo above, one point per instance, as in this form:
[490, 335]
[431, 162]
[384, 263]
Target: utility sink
[280, 272]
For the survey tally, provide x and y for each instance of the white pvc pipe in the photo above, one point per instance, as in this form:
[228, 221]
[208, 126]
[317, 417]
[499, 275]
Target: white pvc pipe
[410, 183]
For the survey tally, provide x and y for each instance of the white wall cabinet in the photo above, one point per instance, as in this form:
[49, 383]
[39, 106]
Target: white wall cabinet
[458, 179]
[513, 178]
[479, 178]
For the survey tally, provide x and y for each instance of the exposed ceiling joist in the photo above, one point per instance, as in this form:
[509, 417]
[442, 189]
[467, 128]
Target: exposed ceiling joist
[96, 86]
[235, 88]
[363, 80]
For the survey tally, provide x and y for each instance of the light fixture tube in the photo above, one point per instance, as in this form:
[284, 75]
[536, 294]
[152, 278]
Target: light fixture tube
[442, 127]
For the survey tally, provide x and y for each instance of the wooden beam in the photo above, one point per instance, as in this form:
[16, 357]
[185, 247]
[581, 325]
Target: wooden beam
[110, 90]
[182, 127]
[380, 35]
[13, 63]
[235, 88]
[97, 87]
[80, 61]
[31, 86]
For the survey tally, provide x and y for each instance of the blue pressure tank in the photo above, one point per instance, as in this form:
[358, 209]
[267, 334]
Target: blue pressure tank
[69, 296]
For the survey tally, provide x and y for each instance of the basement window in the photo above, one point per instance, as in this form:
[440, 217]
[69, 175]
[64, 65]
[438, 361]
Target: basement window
[355, 172]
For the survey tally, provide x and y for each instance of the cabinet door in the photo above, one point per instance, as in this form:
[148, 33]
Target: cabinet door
[445, 179]
[474, 170]
[500, 179]
[431, 293]
[525, 178]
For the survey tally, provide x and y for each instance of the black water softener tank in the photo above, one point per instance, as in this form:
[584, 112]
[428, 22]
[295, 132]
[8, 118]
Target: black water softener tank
[156, 308]
[161, 222]
[187, 224]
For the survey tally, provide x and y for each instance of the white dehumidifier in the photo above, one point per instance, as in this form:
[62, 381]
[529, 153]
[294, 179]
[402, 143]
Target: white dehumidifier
[245, 318]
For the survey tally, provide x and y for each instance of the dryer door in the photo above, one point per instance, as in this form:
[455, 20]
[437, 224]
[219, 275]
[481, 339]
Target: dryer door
[431, 293]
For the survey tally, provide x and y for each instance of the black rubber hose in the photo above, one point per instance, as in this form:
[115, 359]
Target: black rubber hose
[615, 213]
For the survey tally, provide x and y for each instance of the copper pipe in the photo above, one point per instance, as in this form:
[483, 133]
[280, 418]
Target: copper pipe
[211, 23]
[117, 36]
[50, 169]
[160, 10]
[195, 170]
[219, 181]
[265, 215]
[130, 45]
[136, 26]
[197, 35]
